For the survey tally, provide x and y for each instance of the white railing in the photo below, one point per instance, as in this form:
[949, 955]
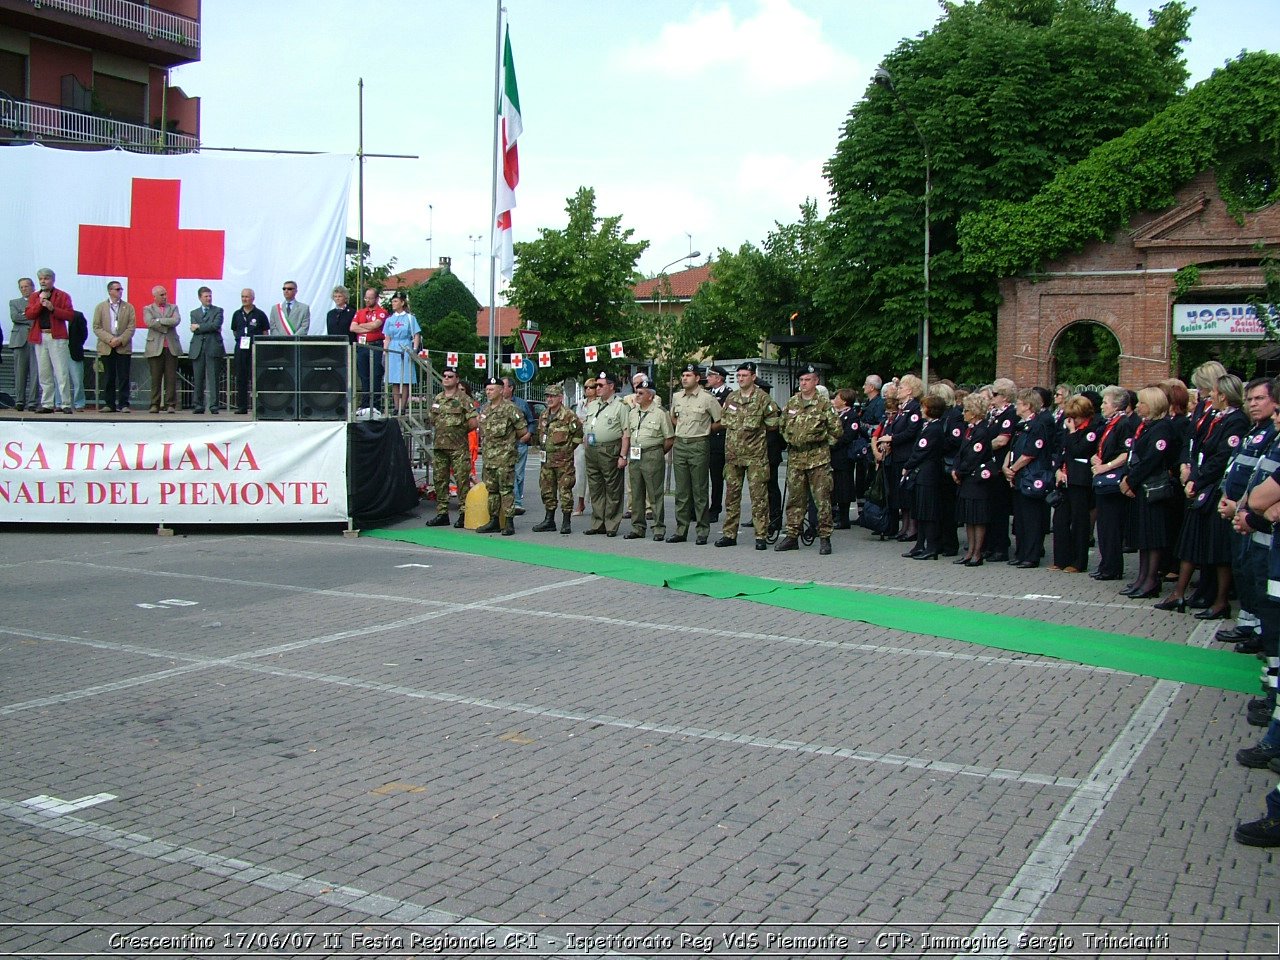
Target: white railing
[147, 20]
[41, 120]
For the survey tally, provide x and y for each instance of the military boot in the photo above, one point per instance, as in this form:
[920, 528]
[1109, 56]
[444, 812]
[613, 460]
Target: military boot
[492, 526]
[786, 543]
[548, 523]
[510, 529]
[461, 521]
[441, 519]
[564, 522]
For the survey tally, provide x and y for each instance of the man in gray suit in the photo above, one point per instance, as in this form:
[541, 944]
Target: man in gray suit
[291, 317]
[26, 377]
[206, 352]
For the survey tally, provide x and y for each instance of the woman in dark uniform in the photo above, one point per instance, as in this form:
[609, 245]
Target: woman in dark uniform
[880, 453]
[1152, 459]
[952, 430]
[902, 440]
[925, 463]
[1109, 462]
[841, 465]
[1080, 435]
[1206, 537]
[1030, 450]
[973, 474]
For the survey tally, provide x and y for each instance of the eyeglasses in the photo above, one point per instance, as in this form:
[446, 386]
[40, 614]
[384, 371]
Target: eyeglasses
[290, 288]
[589, 386]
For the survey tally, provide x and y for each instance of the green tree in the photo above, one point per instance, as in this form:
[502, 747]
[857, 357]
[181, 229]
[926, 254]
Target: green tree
[1007, 93]
[443, 294]
[755, 291]
[374, 275]
[575, 284]
[454, 331]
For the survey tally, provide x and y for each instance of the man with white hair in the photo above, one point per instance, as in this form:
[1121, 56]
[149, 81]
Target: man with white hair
[50, 311]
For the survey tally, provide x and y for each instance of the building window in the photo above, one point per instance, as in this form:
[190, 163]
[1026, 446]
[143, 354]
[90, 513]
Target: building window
[13, 74]
[119, 98]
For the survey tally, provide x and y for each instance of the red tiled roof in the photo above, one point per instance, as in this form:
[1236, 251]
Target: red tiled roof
[683, 285]
[410, 278]
[508, 321]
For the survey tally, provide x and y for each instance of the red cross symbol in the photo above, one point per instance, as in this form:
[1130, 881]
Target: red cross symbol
[153, 250]
[544, 358]
[616, 350]
[590, 354]
[481, 361]
[451, 360]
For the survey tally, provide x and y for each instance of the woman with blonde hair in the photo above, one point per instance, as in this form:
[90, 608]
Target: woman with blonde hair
[1149, 482]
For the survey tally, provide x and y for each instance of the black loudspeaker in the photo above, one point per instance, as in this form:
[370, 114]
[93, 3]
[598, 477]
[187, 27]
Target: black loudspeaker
[275, 379]
[323, 379]
[303, 379]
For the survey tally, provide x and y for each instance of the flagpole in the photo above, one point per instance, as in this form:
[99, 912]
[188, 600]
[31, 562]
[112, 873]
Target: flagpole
[493, 202]
[358, 293]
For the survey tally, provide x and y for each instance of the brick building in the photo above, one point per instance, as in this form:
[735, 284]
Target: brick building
[1128, 285]
[92, 73]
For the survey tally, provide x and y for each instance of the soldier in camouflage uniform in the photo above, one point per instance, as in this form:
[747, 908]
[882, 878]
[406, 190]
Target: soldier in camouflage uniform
[749, 415]
[453, 416]
[559, 433]
[502, 426]
[809, 425]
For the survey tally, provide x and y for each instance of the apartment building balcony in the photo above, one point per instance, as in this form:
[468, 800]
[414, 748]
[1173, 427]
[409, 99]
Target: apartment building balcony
[23, 120]
[138, 30]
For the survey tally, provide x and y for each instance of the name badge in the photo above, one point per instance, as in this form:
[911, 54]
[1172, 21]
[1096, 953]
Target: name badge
[591, 439]
[542, 456]
[362, 338]
[246, 343]
[635, 451]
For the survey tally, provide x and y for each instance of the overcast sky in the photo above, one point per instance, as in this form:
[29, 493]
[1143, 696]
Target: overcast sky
[700, 122]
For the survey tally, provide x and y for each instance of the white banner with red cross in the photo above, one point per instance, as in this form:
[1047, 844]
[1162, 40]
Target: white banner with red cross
[182, 222]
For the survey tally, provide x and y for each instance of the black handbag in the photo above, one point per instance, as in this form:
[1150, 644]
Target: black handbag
[875, 491]
[1108, 483]
[1056, 496]
[1034, 481]
[1158, 490]
[907, 487]
[1204, 499]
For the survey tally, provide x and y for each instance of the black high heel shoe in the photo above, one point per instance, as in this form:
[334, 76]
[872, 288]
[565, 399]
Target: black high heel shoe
[914, 554]
[973, 562]
[1147, 594]
[1173, 603]
[931, 555]
[960, 561]
[1212, 614]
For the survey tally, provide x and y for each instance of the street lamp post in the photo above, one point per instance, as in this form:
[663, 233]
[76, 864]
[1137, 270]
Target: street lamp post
[663, 272]
[883, 78]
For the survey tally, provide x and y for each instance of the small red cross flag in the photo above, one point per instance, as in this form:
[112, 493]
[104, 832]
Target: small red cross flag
[517, 359]
[615, 350]
[451, 358]
[544, 358]
[481, 361]
[590, 354]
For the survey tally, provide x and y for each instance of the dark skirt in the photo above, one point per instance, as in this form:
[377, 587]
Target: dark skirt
[1206, 537]
[1151, 530]
[928, 503]
[973, 507]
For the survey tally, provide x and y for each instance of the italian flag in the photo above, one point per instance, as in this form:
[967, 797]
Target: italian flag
[509, 119]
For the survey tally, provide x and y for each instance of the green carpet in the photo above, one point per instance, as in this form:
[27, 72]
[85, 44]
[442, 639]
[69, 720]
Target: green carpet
[1218, 669]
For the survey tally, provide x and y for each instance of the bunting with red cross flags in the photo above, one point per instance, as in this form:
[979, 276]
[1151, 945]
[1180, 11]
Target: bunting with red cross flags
[517, 359]
[181, 222]
[590, 354]
[544, 358]
[481, 361]
[451, 359]
[616, 350]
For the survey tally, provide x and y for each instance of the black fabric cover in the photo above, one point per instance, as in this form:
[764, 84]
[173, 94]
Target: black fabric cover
[381, 479]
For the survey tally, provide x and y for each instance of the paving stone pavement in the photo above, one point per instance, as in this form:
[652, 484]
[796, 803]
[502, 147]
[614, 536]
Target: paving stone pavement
[295, 743]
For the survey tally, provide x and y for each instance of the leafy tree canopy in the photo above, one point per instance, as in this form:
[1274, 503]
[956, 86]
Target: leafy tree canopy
[1007, 93]
[575, 284]
[1230, 121]
[454, 331]
[441, 295]
[756, 290]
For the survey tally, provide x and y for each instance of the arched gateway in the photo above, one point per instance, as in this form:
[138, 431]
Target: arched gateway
[1194, 252]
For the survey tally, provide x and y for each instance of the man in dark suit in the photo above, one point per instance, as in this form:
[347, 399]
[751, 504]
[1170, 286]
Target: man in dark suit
[26, 376]
[717, 387]
[207, 352]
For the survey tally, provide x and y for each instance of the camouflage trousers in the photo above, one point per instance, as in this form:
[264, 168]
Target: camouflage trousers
[756, 476]
[441, 463]
[803, 483]
[556, 478]
[500, 481]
